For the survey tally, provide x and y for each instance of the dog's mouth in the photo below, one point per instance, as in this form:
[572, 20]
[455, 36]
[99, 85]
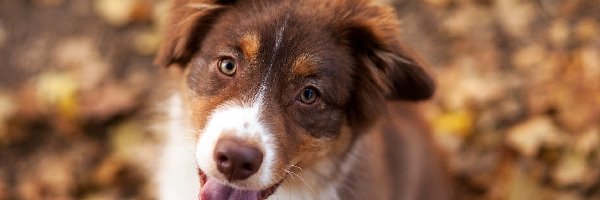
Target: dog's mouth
[212, 189]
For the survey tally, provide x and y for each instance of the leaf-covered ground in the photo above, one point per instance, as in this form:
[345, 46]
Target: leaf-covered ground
[517, 111]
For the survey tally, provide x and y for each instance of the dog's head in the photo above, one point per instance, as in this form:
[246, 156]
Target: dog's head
[272, 85]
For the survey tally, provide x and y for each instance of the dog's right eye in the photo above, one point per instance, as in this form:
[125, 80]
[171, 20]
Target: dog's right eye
[227, 66]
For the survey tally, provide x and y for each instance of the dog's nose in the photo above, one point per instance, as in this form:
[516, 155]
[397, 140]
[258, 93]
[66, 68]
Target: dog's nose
[237, 161]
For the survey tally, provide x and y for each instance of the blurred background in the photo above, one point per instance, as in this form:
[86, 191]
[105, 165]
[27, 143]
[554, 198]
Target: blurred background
[517, 110]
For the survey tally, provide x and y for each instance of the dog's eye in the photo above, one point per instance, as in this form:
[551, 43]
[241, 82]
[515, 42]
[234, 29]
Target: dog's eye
[227, 66]
[308, 95]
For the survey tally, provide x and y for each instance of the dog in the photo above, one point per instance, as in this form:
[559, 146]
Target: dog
[287, 99]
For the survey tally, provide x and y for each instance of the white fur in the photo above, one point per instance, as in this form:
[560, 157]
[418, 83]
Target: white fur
[313, 183]
[242, 122]
[308, 184]
[278, 39]
[177, 177]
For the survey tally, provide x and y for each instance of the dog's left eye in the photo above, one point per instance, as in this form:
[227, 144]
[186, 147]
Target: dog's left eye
[227, 66]
[308, 95]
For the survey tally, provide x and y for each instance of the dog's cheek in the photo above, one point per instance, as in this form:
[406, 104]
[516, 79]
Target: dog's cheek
[311, 150]
[323, 122]
[284, 145]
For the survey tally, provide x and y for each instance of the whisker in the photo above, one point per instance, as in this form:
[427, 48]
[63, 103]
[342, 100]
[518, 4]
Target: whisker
[297, 167]
[289, 172]
[313, 190]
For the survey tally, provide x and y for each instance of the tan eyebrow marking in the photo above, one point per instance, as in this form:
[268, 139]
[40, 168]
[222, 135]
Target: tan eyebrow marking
[249, 43]
[304, 65]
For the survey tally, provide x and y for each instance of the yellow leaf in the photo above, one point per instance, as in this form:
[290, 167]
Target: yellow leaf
[454, 123]
[58, 91]
[125, 138]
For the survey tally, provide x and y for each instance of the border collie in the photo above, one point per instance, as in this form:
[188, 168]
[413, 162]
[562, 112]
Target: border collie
[295, 99]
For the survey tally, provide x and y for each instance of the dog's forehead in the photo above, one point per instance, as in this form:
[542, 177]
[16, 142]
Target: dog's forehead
[281, 40]
[279, 54]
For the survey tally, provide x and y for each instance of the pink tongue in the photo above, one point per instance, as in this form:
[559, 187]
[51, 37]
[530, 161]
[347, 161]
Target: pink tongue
[213, 190]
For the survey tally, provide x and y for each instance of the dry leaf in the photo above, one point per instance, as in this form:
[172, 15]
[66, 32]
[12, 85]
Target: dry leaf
[7, 109]
[115, 12]
[587, 30]
[515, 16]
[108, 101]
[528, 137]
[588, 142]
[454, 123]
[558, 33]
[147, 43]
[81, 57]
[126, 139]
[571, 170]
[58, 92]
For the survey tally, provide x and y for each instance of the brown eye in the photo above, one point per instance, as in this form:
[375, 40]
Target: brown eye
[227, 66]
[308, 95]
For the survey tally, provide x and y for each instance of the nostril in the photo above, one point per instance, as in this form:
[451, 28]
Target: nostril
[247, 167]
[222, 158]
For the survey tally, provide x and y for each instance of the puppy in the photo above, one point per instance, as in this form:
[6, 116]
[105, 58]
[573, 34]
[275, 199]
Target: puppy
[294, 100]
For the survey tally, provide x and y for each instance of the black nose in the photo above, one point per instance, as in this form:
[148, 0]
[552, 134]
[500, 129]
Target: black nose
[236, 160]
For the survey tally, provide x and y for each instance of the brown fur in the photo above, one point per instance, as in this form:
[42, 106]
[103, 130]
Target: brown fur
[250, 44]
[349, 50]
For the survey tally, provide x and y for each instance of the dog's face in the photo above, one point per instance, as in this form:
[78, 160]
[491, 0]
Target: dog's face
[271, 86]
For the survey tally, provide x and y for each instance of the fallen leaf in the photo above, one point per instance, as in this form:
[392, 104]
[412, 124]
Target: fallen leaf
[516, 183]
[515, 16]
[590, 61]
[529, 58]
[571, 170]
[81, 57]
[458, 123]
[108, 101]
[587, 30]
[141, 11]
[528, 137]
[125, 139]
[559, 33]
[115, 12]
[7, 109]
[588, 142]
[58, 92]
[147, 43]
[107, 172]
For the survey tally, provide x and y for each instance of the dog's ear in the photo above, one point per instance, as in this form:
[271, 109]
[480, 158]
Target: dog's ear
[374, 39]
[189, 22]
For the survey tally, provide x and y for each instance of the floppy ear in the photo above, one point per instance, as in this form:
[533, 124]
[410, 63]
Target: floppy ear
[188, 24]
[375, 43]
